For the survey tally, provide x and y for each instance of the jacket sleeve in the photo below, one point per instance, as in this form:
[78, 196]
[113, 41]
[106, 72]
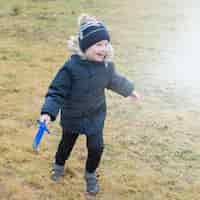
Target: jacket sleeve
[119, 83]
[57, 92]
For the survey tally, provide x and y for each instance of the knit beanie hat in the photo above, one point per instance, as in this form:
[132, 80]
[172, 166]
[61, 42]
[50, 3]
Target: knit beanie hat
[91, 31]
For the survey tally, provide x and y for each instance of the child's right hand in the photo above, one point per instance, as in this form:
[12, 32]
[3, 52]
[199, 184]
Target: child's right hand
[45, 118]
[135, 96]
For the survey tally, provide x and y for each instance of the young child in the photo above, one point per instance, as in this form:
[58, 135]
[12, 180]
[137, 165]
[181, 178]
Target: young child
[78, 90]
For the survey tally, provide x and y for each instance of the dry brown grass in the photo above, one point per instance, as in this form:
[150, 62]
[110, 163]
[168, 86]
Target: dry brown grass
[151, 148]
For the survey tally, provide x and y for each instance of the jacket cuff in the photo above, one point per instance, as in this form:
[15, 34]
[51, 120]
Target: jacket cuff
[50, 107]
[128, 89]
[51, 116]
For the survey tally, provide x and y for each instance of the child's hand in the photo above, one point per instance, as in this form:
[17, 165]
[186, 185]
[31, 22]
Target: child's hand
[45, 118]
[135, 96]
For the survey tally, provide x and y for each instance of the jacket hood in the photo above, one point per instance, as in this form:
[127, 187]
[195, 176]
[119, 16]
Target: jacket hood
[73, 46]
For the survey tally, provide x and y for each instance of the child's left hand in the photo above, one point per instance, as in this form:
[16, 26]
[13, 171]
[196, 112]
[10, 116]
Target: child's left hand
[135, 96]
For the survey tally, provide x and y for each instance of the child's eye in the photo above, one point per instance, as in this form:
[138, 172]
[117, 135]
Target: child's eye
[99, 45]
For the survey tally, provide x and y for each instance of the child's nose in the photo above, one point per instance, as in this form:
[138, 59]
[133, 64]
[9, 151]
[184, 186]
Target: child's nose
[104, 48]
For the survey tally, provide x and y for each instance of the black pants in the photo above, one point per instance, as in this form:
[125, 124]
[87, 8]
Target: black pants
[94, 147]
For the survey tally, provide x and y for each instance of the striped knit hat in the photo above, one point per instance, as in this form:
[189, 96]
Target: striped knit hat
[91, 31]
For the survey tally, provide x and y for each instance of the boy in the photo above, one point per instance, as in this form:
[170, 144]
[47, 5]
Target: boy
[78, 90]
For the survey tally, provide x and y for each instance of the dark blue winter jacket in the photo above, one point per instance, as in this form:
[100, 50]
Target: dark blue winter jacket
[78, 91]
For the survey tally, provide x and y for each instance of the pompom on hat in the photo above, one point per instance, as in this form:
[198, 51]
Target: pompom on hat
[91, 31]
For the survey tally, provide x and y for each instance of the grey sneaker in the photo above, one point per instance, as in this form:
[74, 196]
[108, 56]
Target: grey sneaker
[57, 172]
[92, 183]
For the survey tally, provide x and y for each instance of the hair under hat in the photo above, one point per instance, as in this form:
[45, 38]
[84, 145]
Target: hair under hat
[91, 31]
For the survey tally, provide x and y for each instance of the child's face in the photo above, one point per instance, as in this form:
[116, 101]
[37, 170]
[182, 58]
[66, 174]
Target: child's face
[98, 51]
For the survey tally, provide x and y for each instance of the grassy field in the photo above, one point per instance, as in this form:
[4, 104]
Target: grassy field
[151, 148]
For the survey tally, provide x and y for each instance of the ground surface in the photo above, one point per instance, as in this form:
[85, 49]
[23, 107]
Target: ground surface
[151, 148]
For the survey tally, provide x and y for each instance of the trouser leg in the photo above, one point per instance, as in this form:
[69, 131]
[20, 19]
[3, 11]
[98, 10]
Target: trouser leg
[65, 146]
[95, 150]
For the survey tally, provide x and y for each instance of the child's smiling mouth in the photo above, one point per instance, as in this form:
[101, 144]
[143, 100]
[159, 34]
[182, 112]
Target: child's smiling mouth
[101, 55]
